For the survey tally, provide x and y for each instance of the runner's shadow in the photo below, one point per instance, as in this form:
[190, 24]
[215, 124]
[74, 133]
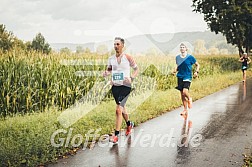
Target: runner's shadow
[244, 91]
[183, 149]
[121, 151]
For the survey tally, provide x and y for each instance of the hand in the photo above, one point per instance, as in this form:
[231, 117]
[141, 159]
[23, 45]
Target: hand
[106, 73]
[195, 74]
[174, 73]
[127, 80]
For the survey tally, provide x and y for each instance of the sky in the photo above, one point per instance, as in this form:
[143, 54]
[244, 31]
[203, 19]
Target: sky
[83, 21]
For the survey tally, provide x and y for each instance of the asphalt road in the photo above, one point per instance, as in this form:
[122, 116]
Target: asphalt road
[217, 131]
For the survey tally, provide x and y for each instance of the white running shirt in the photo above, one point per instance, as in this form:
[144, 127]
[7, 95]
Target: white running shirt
[121, 70]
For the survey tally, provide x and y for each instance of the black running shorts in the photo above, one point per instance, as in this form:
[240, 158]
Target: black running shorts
[183, 84]
[244, 68]
[121, 94]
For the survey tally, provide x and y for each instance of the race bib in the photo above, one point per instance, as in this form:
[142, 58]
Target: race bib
[118, 77]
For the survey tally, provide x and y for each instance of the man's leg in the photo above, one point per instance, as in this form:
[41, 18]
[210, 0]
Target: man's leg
[118, 123]
[125, 94]
[125, 114]
[184, 101]
[129, 123]
[186, 93]
[188, 99]
[118, 117]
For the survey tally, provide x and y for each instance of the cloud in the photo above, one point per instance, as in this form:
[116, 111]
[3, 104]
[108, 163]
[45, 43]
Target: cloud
[66, 21]
[79, 10]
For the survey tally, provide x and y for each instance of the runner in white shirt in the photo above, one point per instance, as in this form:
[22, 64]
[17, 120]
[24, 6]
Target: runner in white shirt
[119, 66]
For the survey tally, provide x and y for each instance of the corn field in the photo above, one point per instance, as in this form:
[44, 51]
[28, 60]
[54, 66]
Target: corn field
[32, 82]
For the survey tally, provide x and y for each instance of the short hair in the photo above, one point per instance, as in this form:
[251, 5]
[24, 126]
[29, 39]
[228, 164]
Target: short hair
[182, 44]
[119, 38]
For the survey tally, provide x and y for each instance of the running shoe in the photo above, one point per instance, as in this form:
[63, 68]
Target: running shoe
[129, 128]
[114, 139]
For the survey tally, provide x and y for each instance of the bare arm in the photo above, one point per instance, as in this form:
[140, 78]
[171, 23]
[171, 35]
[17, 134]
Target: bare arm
[135, 73]
[195, 74]
[175, 70]
[133, 65]
[107, 71]
[249, 60]
[241, 59]
[128, 80]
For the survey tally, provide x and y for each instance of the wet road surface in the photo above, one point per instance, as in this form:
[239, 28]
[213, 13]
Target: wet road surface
[216, 132]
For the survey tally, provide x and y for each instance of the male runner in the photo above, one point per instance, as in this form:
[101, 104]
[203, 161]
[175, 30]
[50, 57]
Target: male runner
[119, 66]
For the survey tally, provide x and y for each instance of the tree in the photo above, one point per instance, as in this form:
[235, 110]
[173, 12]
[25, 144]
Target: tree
[213, 51]
[102, 50]
[6, 39]
[199, 47]
[79, 50]
[18, 43]
[65, 50]
[87, 51]
[224, 52]
[232, 18]
[222, 45]
[39, 44]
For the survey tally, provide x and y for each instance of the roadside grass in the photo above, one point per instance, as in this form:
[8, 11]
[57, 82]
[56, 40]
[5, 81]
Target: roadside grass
[247, 160]
[26, 139]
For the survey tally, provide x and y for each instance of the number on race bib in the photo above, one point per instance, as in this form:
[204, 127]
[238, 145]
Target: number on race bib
[118, 77]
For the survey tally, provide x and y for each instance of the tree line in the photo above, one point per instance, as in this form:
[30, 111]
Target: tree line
[9, 41]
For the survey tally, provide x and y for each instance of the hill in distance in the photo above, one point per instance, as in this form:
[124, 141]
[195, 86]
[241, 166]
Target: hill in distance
[165, 42]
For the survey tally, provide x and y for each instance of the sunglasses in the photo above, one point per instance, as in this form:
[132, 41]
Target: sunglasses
[117, 44]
